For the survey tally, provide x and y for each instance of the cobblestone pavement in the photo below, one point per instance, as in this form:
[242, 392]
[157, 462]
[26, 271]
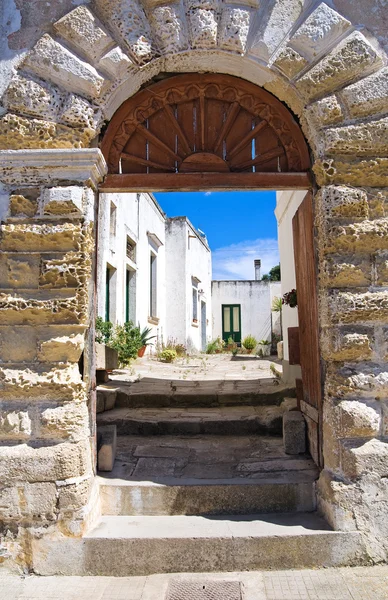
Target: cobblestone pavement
[359, 583]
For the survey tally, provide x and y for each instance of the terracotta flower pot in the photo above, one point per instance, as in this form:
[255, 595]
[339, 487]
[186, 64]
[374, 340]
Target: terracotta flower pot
[141, 351]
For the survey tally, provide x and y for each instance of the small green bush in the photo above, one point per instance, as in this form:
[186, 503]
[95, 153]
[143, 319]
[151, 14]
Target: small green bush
[214, 346]
[127, 340]
[104, 330]
[168, 355]
[249, 342]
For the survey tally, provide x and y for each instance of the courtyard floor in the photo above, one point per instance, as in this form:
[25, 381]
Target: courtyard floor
[202, 367]
[359, 583]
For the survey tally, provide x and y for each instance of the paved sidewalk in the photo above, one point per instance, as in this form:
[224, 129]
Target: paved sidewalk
[360, 583]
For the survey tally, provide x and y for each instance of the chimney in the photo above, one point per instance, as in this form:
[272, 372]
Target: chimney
[257, 264]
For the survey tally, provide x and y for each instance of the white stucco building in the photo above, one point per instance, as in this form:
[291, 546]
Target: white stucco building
[188, 284]
[131, 263]
[152, 270]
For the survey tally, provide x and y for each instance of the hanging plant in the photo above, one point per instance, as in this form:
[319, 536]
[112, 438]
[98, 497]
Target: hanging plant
[290, 299]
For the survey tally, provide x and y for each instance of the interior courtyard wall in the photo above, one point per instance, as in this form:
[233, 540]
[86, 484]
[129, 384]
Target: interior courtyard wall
[63, 80]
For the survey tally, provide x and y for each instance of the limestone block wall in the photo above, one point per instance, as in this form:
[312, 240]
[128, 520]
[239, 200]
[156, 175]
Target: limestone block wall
[46, 328]
[67, 74]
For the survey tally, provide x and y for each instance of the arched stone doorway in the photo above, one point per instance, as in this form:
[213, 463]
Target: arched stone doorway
[333, 77]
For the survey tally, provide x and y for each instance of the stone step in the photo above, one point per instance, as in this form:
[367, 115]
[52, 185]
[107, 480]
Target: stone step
[180, 393]
[281, 493]
[231, 420]
[123, 546]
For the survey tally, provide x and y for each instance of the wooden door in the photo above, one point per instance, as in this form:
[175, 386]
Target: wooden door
[306, 286]
[231, 322]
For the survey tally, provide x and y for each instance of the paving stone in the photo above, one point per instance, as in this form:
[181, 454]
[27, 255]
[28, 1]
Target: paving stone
[158, 467]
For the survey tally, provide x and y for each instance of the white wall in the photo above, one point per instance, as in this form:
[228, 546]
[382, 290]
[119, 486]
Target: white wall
[255, 300]
[188, 259]
[275, 292]
[137, 216]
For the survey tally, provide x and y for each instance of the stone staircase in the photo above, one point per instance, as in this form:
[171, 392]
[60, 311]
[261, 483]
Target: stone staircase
[201, 483]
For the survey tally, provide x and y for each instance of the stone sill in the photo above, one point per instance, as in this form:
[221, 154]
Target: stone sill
[153, 320]
[194, 324]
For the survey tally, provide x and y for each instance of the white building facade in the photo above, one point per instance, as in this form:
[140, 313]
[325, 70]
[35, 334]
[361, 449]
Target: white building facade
[131, 265]
[188, 284]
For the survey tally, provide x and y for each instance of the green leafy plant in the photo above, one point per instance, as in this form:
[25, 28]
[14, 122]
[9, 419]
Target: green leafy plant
[249, 342]
[168, 355]
[277, 304]
[145, 336]
[234, 351]
[104, 330]
[126, 339]
[214, 346]
[264, 343]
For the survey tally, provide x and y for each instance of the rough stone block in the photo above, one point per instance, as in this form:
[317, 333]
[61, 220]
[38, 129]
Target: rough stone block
[106, 358]
[367, 380]
[19, 271]
[321, 29]
[62, 349]
[348, 307]
[83, 31]
[203, 27]
[372, 172]
[21, 133]
[106, 447]
[279, 21]
[168, 23]
[336, 272]
[280, 350]
[327, 111]
[60, 383]
[18, 344]
[348, 60]
[69, 421]
[234, 28]
[74, 496]
[368, 96]
[130, 26]
[28, 97]
[381, 268]
[62, 200]
[359, 419]
[20, 206]
[360, 457]
[15, 424]
[53, 62]
[342, 201]
[33, 237]
[294, 432]
[51, 463]
[78, 112]
[368, 138]
[365, 236]
[34, 501]
[106, 397]
[289, 62]
[115, 62]
[340, 344]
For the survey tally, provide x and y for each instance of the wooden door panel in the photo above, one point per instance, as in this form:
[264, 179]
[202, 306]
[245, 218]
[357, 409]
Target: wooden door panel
[306, 285]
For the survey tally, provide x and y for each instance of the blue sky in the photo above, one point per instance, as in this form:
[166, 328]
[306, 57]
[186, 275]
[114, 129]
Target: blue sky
[240, 226]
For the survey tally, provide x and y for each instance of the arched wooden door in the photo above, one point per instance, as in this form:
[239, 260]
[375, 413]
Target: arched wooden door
[199, 124]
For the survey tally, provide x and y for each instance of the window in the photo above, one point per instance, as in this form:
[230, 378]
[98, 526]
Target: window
[195, 304]
[153, 283]
[107, 293]
[112, 220]
[131, 249]
[194, 282]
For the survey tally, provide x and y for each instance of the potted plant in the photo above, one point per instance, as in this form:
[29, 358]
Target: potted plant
[106, 355]
[290, 299]
[249, 343]
[145, 338]
[264, 348]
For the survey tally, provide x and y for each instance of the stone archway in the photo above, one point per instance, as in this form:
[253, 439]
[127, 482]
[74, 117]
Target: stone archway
[60, 93]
